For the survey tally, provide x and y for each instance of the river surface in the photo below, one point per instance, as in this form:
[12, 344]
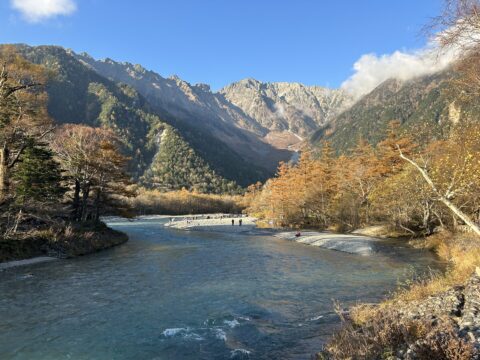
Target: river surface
[170, 294]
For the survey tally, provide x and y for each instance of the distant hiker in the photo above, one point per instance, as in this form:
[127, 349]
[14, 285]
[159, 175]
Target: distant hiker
[233, 222]
[240, 222]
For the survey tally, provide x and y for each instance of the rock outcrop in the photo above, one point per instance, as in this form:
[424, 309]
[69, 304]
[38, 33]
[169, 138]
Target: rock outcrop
[442, 326]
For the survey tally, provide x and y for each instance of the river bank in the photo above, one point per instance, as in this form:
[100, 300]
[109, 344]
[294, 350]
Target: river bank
[213, 222]
[441, 326]
[64, 242]
[432, 317]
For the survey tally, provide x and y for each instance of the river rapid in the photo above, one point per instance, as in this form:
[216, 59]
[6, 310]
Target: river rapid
[172, 294]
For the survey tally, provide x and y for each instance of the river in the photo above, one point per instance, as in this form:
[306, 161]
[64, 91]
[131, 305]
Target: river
[171, 294]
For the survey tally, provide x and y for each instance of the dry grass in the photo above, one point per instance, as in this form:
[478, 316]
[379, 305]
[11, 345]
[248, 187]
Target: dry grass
[384, 335]
[376, 332]
[460, 251]
[183, 203]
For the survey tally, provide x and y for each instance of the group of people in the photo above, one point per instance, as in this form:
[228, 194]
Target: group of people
[190, 219]
[239, 222]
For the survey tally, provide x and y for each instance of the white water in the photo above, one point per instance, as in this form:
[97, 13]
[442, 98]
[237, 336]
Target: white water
[353, 244]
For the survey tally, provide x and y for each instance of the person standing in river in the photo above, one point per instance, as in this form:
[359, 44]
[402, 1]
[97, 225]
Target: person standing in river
[233, 222]
[240, 222]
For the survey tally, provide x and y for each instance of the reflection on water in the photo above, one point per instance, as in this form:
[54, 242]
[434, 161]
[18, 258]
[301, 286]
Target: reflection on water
[168, 294]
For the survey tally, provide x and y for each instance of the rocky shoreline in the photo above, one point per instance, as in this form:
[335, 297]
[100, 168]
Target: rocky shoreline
[459, 306]
[442, 326]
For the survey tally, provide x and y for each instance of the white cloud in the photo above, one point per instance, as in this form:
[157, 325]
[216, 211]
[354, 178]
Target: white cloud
[39, 10]
[371, 70]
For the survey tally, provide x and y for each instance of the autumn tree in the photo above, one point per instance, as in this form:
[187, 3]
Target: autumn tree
[451, 168]
[406, 202]
[93, 162]
[321, 187]
[23, 112]
[390, 163]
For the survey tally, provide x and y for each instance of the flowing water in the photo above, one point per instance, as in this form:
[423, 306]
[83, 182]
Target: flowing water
[169, 294]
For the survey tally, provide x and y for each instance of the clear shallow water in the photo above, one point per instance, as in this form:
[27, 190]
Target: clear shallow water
[170, 294]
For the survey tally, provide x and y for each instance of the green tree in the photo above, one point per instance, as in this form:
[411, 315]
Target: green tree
[37, 177]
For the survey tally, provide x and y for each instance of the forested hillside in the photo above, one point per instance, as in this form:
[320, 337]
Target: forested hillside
[426, 107]
[77, 94]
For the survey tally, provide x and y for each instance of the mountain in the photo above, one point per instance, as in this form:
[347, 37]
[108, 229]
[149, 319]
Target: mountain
[426, 106]
[195, 107]
[78, 94]
[239, 133]
[289, 111]
[280, 114]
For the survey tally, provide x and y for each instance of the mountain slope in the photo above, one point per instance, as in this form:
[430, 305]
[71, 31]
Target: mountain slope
[195, 107]
[77, 94]
[286, 107]
[241, 114]
[426, 106]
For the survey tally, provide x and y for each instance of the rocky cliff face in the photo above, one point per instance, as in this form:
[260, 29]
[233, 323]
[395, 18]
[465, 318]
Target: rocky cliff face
[78, 94]
[285, 106]
[290, 112]
[248, 109]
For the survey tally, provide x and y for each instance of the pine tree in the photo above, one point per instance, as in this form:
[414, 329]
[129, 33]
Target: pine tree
[37, 177]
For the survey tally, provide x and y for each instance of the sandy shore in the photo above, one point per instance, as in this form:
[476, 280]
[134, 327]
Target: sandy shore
[216, 224]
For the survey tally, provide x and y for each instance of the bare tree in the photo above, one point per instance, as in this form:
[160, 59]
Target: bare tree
[457, 29]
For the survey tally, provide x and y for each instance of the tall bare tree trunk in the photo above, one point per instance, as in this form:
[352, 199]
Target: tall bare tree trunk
[97, 205]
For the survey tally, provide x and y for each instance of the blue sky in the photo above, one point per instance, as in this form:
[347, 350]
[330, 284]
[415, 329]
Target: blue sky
[220, 41]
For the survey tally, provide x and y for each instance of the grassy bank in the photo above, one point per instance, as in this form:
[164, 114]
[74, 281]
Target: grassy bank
[431, 318]
[60, 241]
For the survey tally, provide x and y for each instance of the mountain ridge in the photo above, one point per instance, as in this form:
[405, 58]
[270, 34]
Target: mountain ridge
[426, 106]
[77, 94]
[304, 108]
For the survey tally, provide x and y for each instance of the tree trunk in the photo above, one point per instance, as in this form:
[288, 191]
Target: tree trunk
[85, 195]
[465, 218]
[97, 205]
[4, 172]
[76, 201]
[4, 181]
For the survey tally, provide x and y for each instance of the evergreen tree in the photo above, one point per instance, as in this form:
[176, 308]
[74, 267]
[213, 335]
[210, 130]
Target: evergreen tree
[37, 177]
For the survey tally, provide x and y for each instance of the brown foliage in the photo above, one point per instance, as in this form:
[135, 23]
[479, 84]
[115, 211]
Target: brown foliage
[385, 334]
[94, 166]
[183, 203]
